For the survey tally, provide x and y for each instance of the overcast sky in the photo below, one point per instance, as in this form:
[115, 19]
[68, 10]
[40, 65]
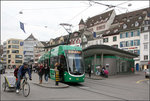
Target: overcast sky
[38, 14]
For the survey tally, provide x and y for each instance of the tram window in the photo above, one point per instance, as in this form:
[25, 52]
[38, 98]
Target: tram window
[63, 62]
[53, 60]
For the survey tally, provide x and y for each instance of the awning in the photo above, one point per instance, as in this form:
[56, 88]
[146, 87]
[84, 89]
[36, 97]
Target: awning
[105, 49]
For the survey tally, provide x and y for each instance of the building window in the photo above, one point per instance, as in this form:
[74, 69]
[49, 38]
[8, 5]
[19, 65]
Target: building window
[123, 44]
[127, 43]
[100, 27]
[132, 34]
[15, 51]
[15, 41]
[136, 24]
[9, 56]
[126, 34]
[9, 42]
[105, 40]
[8, 51]
[145, 57]
[145, 37]
[19, 56]
[145, 46]
[140, 17]
[131, 42]
[147, 22]
[138, 33]
[9, 61]
[120, 35]
[146, 28]
[15, 46]
[9, 46]
[18, 61]
[115, 38]
[136, 42]
[128, 20]
[124, 26]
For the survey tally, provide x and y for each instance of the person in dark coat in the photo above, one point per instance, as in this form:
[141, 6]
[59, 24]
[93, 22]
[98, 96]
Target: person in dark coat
[89, 70]
[40, 72]
[46, 72]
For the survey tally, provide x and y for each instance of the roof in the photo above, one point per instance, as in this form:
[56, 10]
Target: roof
[98, 19]
[30, 37]
[132, 20]
[44, 43]
[81, 22]
[120, 18]
[98, 49]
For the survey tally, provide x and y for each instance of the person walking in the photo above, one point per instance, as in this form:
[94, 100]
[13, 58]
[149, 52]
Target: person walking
[89, 70]
[56, 73]
[46, 72]
[40, 72]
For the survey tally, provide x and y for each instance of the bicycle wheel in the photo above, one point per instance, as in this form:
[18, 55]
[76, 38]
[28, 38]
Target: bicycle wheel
[26, 89]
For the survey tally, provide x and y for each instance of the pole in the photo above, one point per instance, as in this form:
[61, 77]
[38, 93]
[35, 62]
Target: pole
[68, 30]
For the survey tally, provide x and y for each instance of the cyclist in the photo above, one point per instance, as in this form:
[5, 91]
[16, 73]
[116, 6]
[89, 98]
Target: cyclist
[21, 73]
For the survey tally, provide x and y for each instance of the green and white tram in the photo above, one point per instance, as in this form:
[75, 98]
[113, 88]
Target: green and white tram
[70, 59]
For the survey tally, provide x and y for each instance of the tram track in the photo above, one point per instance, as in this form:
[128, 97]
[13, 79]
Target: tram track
[87, 88]
[112, 85]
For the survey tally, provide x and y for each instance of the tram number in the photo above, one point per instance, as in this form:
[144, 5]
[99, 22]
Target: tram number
[77, 78]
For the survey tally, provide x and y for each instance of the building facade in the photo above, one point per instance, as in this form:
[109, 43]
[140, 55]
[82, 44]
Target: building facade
[145, 44]
[29, 45]
[124, 32]
[13, 53]
[39, 51]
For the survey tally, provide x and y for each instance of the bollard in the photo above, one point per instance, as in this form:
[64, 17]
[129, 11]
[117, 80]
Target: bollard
[56, 77]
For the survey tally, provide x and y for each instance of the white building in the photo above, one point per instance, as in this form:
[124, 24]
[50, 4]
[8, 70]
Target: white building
[29, 44]
[124, 32]
[145, 44]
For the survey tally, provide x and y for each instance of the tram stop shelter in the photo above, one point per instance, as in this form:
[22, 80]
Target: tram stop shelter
[115, 60]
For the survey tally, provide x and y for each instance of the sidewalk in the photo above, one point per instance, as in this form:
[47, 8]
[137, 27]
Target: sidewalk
[50, 84]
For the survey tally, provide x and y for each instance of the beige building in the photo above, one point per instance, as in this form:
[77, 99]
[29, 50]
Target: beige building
[14, 52]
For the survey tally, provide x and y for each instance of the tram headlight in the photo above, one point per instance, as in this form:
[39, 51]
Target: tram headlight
[69, 78]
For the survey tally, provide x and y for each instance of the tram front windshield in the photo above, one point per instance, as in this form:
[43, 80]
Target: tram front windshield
[75, 64]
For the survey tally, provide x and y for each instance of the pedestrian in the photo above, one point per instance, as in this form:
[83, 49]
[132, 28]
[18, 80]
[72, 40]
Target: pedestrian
[89, 70]
[46, 72]
[102, 71]
[106, 73]
[56, 73]
[61, 71]
[16, 72]
[40, 72]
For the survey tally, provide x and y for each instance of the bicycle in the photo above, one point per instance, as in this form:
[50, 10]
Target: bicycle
[25, 87]
[10, 83]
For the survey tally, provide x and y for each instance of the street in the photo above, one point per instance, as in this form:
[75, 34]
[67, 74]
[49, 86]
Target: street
[119, 87]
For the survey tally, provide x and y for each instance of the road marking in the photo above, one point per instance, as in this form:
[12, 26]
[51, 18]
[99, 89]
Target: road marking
[142, 80]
